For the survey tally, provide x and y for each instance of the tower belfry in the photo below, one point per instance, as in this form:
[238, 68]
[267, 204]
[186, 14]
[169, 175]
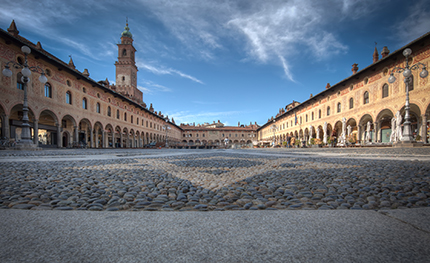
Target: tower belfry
[126, 70]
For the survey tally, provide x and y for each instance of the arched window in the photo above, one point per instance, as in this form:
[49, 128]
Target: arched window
[48, 90]
[137, 121]
[351, 103]
[131, 118]
[109, 113]
[385, 91]
[319, 114]
[306, 118]
[19, 83]
[328, 111]
[84, 103]
[117, 114]
[366, 97]
[125, 116]
[312, 116]
[98, 107]
[300, 119]
[68, 97]
[339, 107]
[124, 52]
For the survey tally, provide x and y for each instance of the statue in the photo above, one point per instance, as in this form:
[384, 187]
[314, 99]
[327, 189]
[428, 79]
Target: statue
[325, 133]
[368, 131]
[399, 133]
[310, 134]
[349, 128]
[393, 137]
[318, 132]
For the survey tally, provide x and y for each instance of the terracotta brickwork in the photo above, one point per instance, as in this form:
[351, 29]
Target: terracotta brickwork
[333, 103]
[72, 109]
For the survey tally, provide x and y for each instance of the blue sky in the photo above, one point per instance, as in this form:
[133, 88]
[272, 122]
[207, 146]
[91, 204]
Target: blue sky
[233, 61]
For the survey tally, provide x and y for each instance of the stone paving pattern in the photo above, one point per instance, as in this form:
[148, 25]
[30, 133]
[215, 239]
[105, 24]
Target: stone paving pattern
[214, 180]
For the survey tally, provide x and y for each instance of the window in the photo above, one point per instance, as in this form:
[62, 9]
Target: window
[328, 111]
[68, 83]
[306, 118]
[351, 103]
[109, 113]
[319, 114]
[68, 97]
[204, 135]
[98, 107]
[197, 135]
[117, 114]
[48, 90]
[124, 52]
[125, 116]
[84, 90]
[131, 118]
[146, 124]
[137, 121]
[48, 72]
[84, 103]
[385, 91]
[19, 83]
[366, 97]
[312, 116]
[339, 107]
[301, 120]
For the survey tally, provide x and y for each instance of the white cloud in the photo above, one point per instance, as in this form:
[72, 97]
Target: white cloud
[415, 24]
[151, 88]
[166, 71]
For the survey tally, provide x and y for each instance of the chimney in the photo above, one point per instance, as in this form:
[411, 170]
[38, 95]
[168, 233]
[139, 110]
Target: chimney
[238, 124]
[385, 52]
[327, 86]
[86, 73]
[354, 68]
[39, 46]
[375, 55]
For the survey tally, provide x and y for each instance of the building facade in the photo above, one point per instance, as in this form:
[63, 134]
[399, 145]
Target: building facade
[218, 135]
[365, 102]
[72, 109]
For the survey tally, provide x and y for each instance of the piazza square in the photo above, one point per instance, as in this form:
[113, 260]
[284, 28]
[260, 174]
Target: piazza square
[93, 170]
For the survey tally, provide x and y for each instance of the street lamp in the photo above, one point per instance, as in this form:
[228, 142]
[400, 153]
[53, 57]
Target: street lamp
[167, 128]
[26, 73]
[274, 130]
[407, 72]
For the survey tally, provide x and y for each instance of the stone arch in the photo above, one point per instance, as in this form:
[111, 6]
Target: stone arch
[320, 133]
[415, 118]
[98, 135]
[49, 129]
[4, 122]
[109, 136]
[125, 138]
[68, 124]
[383, 125]
[338, 128]
[132, 138]
[13, 123]
[425, 134]
[363, 127]
[84, 132]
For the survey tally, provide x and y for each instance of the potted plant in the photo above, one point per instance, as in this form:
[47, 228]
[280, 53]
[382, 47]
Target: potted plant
[316, 143]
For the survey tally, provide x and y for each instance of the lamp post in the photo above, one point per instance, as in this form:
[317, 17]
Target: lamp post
[407, 72]
[274, 131]
[25, 141]
[167, 128]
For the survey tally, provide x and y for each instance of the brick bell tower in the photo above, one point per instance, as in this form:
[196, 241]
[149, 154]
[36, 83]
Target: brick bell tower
[126, 70]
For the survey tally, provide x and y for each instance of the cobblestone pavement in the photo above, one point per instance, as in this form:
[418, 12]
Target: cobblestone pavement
[213, 180]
